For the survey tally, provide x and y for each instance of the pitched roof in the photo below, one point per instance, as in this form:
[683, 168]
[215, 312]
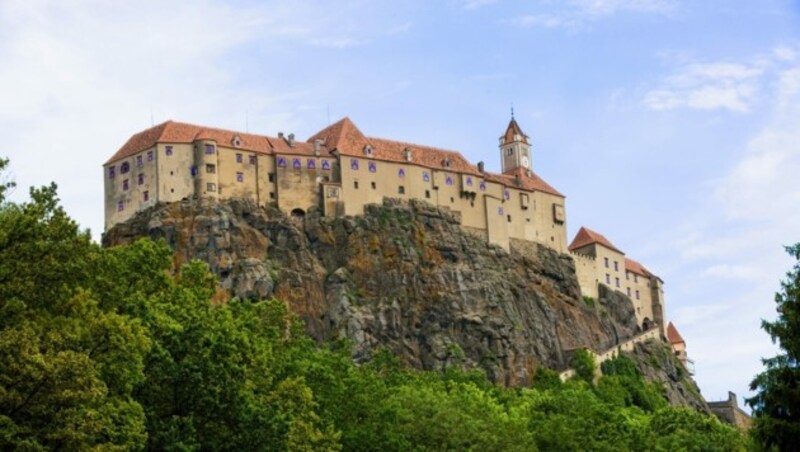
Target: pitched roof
[586, 236]
[179, 132]
[513, 129]
[530, 181]
[635, 267]
[673, 335]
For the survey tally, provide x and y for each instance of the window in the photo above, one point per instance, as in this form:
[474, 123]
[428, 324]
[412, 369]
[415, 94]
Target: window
[140, 179]
[374, 185]
[125, 184]
[629, 291]
[120, 206]
[209, 149]
[635, 278]
[608, 278]
[509, 218]
[605, 260]
[238, 158]
[211, 169]
[124, 168]
[194, 170]
[333, 192]
[252, 159]
[211, 187]
[146, 196]
[271, 177]
[239, 177]
[355, 184]
[427, 194]
[616, 281]
[112, 171]
[149, 156]
[509, 151]
[637, 294]
[168, 150]
[627, 276]
[139, 161]
[271, 195]
[401, 190]
[616, 266]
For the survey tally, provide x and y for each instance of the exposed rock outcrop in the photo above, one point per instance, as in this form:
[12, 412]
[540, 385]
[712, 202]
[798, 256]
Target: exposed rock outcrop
[657, 363]
[403, 276]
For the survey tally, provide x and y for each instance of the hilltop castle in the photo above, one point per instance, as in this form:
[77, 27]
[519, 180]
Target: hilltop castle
[340, 170]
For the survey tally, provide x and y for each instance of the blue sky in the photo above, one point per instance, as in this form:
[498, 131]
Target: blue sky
[672, 126]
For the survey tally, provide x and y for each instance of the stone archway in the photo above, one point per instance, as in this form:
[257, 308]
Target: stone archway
[298, 215]
[646, 324]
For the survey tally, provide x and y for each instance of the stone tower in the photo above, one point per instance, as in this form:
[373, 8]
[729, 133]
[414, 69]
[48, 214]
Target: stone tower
[515, 151]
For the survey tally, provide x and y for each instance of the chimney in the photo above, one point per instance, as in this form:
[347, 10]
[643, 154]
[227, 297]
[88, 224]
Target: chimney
[480, 167]
[290, 140]
[280, 135]
[317, 146]
[407, 153]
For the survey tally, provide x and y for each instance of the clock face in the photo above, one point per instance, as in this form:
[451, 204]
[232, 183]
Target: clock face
[525, 161]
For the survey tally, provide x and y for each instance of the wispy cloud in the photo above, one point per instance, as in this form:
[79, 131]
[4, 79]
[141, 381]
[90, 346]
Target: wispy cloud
[734, 86]
[474, 4]
[712, 86]
[576, 15]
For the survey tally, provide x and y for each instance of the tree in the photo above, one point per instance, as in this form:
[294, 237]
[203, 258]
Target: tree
[776, 405]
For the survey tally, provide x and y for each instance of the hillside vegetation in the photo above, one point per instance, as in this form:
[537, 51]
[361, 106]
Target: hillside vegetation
[110, 348]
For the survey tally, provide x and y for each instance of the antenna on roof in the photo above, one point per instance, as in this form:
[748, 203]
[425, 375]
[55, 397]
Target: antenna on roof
[512, 110]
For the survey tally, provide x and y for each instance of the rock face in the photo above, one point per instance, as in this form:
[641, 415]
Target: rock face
[657, 363]
[404, 276]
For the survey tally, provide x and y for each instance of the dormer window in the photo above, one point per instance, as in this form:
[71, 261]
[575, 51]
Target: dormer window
[367, 150]
[237, 142]
[446, 163]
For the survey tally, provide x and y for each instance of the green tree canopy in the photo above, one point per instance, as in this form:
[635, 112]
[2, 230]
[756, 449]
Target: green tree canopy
[776, 405]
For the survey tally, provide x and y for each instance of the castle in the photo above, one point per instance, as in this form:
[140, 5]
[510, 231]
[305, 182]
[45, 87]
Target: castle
[340, 170]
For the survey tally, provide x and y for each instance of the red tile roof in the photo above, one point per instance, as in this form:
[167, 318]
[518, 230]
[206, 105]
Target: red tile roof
[635, 267]
[513, 129]
[673, 335]
[586, 236]
[177, 132]
[346, 138]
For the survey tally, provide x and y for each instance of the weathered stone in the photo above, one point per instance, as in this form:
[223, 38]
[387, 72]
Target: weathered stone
[404, 276]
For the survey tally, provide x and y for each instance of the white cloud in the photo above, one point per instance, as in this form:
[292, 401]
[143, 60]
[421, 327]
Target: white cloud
[736, 272]
[474, 4]
[335, 43]
[712, 86]
[575, 15]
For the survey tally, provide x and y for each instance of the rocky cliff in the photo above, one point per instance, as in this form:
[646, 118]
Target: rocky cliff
[403, 276]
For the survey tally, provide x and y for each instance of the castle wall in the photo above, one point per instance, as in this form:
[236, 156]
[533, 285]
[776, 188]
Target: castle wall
[496, 222]
[266, 179]
[300, 179]
[238, 174]
[175, 180]
[639, 289]
[586, 269]
[129, 191]
[205, 170]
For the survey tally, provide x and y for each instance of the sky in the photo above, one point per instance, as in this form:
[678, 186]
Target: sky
[672, 126]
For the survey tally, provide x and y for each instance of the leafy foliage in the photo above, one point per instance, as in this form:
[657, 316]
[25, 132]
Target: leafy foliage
[112, 349]
[776, 405]
[584, 364]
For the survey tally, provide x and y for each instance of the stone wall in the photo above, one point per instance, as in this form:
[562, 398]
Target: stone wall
[728, 411]
[586, 268]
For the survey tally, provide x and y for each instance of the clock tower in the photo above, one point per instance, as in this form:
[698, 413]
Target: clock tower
[515, 151]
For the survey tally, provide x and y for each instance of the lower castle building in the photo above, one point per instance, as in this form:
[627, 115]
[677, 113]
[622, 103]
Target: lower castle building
[339, 170]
